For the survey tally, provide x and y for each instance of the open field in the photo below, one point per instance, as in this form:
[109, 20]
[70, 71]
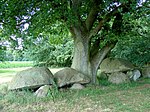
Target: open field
[6, 74]
[16, 64]
[9, 69]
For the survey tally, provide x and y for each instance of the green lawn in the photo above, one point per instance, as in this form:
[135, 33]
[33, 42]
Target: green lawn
[133, 97]
[9, 69]
[106, 97]
[9, 72]
[6, 74]
[15, 64]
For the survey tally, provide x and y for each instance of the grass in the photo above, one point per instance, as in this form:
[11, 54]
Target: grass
[16, 64]
[6, 74]
[9, 69]
[132, 97]
[106, 97]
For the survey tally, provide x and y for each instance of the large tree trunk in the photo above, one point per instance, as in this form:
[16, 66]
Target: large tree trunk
[87, 56]
[82, 60]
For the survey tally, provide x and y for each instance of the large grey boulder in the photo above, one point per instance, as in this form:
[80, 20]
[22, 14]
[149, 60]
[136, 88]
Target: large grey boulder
[118, 78]
[134, 75]
[69, 76]
[111, 65]
[42, 91]
[146, 72]
[31, 78]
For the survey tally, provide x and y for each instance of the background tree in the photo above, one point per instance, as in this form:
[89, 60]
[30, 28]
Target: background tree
[46, 53]
[2, 54]
[95, 25]
[134, 45]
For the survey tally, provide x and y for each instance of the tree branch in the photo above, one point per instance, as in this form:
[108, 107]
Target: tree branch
[117, 24]
[79, 25]
[92, 14]
[91, 18]
[97, 58]
[105, 19]
[95, 47]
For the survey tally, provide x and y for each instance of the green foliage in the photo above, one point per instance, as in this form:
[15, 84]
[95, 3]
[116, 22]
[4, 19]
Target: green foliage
[2, 54]
[43, 15]
[12, 55]
[137, 52]
[54, 55]
[135, 45]
[50, 21]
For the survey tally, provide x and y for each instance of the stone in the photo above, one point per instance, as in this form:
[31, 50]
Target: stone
[77, 86]
[111, 65]
[134, 75]
[101, 75]
[31, 78]
[146, 72]
[42, 91]
[118, 78]
[69, 76]
[130, 74]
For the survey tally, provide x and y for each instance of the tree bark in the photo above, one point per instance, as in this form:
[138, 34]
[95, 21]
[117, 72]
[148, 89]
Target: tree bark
[82, 60]
[97, 60]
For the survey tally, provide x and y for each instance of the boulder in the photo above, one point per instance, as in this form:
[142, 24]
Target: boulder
[69, 76]
[77, 86]
[146, 72]
[130, 74]
[31, 78]
[111, 65]
[42, 91]
[134, 75]
[118, 78]
[101, 75]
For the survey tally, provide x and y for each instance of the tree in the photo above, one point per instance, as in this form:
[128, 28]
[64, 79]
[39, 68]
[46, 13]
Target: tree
[48, 53]
[95, 25]
[135, 45]
[2, 49]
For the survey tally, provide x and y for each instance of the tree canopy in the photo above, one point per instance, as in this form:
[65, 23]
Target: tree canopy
[44, 15]
[135, 45]
[94, 25]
